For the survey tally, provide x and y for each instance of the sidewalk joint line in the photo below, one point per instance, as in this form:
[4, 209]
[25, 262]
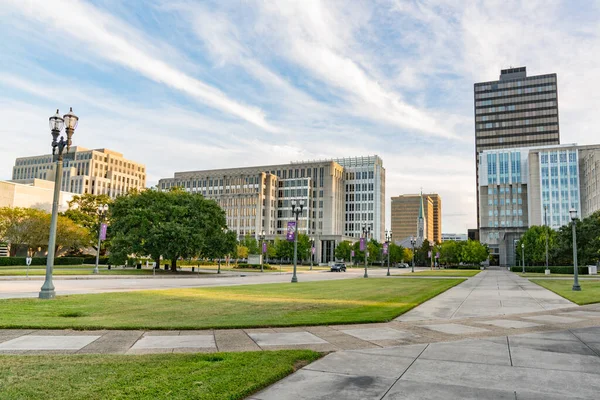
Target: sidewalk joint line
[509, 353]
[584, 343]
[407, 368]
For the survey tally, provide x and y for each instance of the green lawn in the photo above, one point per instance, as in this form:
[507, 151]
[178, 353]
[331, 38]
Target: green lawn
[88, 270]
[282, 304]
[158, 376]
[590, 290]
[444, 272]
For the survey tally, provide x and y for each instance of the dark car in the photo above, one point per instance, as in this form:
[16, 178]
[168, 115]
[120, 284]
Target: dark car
[338, 267]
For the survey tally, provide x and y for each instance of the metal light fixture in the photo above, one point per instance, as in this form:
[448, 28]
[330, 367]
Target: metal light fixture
[388, 240]
[102, 211]
[262, 240]
[296, 210]
[366, 232]
[573, 214]
[56, 122]
[413, 241]
[523, 256]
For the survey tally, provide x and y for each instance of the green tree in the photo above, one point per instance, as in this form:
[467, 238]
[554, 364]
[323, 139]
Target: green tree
[220, 244]
[284, 249]
[343, 250]
[396, 253]
[171, 224]
[534, 240]
[422, 254]
[588, 242]
[241, 251]
[83, 210]
[449, 252]
[251, 243]
[473, 252]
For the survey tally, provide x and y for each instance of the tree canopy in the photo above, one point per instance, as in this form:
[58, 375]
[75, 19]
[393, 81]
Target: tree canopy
[169, 224]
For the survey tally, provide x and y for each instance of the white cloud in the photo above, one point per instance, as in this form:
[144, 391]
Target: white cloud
[108, 38]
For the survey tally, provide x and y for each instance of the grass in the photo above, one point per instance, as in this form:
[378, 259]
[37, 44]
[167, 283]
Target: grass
[157, 376]
[590, 290]
[445, 272]
[284, 304]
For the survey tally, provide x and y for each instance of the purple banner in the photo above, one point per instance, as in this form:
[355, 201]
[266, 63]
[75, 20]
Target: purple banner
[103, 232]
[363, 243]
[313, 250]
[385, 248]
[264, 247]
[437, 255]
[351, 253]
[291, 231]
[429, 254]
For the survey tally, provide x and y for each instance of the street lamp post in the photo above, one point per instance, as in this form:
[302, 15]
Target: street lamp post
[547, 234]
[296, 210]
[102, 211]
[69, 121]
[523, 256]
[312, 252]
[262, 241]
[413, 241]
[576, 287]
[388, 240]
[366, 232]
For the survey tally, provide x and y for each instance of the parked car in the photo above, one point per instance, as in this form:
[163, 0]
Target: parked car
[402, 265]
[338, 267]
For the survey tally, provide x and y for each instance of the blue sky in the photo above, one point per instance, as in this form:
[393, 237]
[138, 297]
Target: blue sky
[184, 85]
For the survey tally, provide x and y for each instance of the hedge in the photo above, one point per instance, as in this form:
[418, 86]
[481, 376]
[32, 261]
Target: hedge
[92, 260]
[462, 266]
[20, 261]
[245, 265]
[553, 270]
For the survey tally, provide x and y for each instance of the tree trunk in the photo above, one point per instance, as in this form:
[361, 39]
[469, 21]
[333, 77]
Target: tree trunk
[157, 261]
[174, 264]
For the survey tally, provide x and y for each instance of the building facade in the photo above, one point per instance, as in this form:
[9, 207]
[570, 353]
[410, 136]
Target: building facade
[257, 199]
[454, 237]
[98, 171]
[38, 194]
[515, 111]
[405, 216]
[520, 188]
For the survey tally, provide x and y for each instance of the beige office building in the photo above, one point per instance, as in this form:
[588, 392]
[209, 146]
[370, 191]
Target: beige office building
[38, 194]
[257, 199]
[405, 217]
[98, 171]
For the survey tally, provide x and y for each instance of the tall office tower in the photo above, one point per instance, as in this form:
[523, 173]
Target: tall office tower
[515, 111]
[365, 195]
[406, 210]
[98, 171]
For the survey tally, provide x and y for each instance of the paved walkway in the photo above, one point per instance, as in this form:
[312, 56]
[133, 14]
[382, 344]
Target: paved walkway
[492, 292]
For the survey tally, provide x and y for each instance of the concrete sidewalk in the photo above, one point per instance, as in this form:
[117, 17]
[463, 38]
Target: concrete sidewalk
[548, 366]
[491, 292]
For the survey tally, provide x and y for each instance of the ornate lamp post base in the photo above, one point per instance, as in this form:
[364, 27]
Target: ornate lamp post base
[47, 293]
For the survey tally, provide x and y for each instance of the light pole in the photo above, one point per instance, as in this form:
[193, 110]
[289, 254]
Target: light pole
[413, 241]
[523, 256]
[547, 234]
[262, 241]
[388, 240]
[69, 121]
[576, 287]
[312, 252]
[296, 211]
[366, 231]
[102, 211]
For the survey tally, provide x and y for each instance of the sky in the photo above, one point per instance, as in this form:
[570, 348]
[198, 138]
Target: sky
[189, 85]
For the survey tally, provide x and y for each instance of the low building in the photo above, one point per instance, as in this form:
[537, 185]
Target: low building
[454, 237]
[98, 171]
[38, 194]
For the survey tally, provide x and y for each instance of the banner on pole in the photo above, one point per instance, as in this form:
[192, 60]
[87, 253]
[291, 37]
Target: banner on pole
[437, 255]
[351, 253]
[103, 231]
[264, 247]
[363, 244]
[429, 254]
[291, 231]
[313, 250]
[385, 248]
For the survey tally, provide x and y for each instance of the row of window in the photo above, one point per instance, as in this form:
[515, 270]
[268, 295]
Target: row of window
[503, 190]
[519, 133]
[358, 206]
[359, 187]
[359, 196]
[517, 107]
[555, 157]
[517, 92]
[519, 122]
[515, 115]
[534, 80]
[522, 99]
[360, 175]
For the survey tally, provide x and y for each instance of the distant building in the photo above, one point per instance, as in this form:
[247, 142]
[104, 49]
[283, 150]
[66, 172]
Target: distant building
[99, 171]
[520, 188]
[39, 194]
[406, 212]
[515, 111]
[454, 237]
[340, 197]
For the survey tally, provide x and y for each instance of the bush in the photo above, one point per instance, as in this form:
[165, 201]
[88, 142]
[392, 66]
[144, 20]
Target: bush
[92, 260]
[245, 265]
[18, 261]
[462, 267]
[553, 270]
